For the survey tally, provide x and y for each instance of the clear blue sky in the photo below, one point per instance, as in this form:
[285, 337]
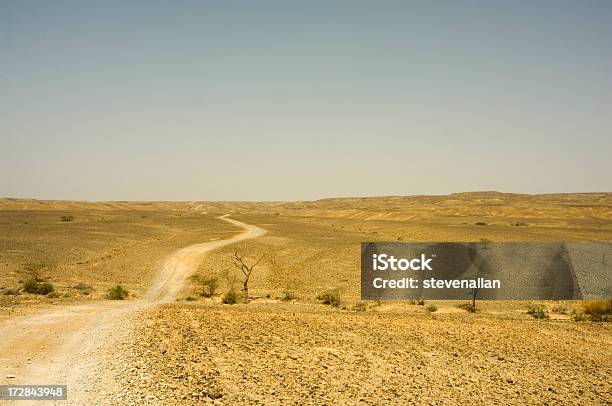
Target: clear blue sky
[259, 100]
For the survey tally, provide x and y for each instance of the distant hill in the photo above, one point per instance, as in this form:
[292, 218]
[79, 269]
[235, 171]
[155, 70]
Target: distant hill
[398, 208]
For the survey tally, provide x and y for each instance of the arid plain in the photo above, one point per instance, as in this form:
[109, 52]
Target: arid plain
[285, 346]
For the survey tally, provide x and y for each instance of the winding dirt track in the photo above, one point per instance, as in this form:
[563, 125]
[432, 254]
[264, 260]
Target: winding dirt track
[65, 345]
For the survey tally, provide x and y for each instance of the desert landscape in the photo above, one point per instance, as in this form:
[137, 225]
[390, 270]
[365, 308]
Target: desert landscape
[237, 203]
[184, 333]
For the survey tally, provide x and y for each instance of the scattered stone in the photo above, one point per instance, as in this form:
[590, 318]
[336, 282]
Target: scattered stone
[214, 394]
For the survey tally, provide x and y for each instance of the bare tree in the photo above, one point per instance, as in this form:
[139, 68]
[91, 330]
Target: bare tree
[474, 291]
[34, 269]
[240, 261]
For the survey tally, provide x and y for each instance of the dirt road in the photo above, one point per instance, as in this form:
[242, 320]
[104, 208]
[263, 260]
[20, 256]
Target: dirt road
[66, 345]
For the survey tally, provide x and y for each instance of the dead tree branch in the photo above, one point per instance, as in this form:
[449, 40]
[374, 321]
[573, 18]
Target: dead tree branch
[240, 261]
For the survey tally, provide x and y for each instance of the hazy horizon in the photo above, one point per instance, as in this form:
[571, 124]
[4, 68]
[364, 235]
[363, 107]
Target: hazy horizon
[280, 101]
[307, 200]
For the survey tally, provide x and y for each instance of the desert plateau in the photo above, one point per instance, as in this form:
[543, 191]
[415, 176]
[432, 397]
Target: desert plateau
[302, 335]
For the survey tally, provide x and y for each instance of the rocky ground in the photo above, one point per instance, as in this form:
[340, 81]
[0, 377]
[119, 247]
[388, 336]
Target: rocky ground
[311, 354]
[274, 352]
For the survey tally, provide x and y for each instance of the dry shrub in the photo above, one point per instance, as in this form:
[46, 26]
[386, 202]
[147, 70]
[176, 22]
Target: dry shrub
[230, 297]
[578, 316]
[37, 288]
[289, 295]
[467, 307]
[598, 310]
[331, 297]
[537, 312]
[11, 292]
[117, 292]
[208, 284]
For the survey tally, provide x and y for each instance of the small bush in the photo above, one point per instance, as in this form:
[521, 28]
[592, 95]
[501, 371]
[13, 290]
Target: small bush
[45, 288]
[467, 307]
[598, 310]
[10, 292]
[190, 298]
[578, 316]
[208, 284]
[67, 219]
[34, 269]
[537, 312]
[480, 223]
[288, 295]
[360, 307]
[431, 308]
[331, 297]
[519, 224]
[53, 295]
[421, 302]
[117, 292]
[230, 297]
[37, 288]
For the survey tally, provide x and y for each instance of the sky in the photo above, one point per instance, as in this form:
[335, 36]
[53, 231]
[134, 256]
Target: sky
[293, 100]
